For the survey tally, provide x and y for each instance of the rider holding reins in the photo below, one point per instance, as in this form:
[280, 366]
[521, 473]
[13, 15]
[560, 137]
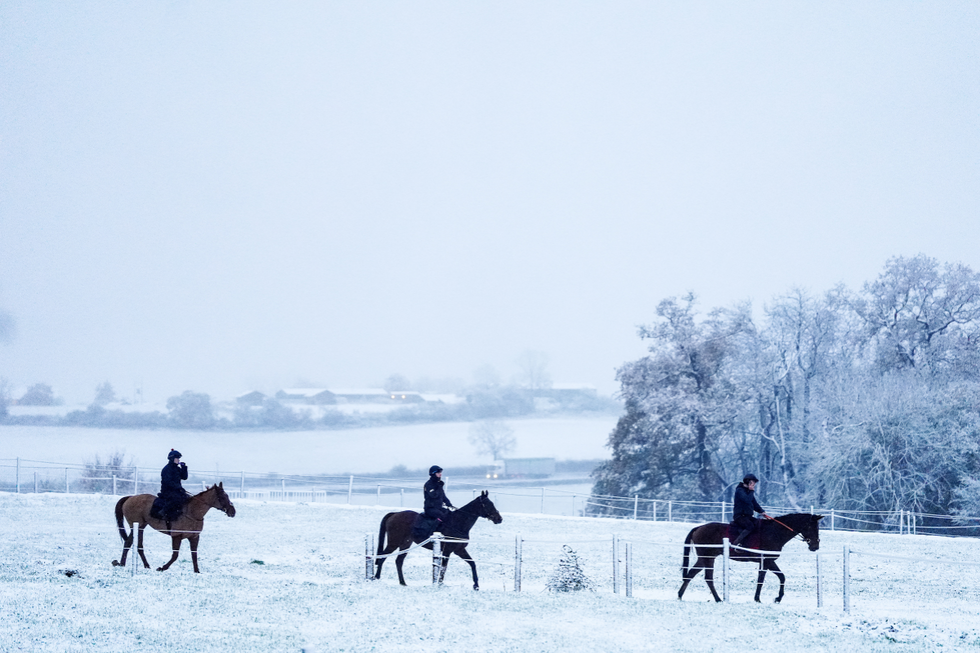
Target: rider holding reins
[744, 507]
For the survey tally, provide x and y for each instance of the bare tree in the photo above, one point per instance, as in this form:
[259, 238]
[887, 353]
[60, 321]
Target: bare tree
[492, 437]
[533, 366]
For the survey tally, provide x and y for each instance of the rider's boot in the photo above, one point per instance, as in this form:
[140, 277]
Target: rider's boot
[741, 537]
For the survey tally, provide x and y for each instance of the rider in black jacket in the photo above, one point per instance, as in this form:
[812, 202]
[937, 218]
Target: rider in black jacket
[435, 496]
[744, 507]
[172, 495]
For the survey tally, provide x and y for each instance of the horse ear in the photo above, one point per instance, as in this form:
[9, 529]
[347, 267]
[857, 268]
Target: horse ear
[486, 492]
[221, 485]
[819, 517]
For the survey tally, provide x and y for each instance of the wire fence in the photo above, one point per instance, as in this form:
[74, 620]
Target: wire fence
[23, 475]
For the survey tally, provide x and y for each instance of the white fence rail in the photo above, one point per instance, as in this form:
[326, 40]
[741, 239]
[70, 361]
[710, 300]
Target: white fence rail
[24, 475]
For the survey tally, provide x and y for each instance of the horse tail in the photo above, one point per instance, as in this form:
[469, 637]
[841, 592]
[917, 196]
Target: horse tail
[687, 549]
[382, 531]
[119, 518]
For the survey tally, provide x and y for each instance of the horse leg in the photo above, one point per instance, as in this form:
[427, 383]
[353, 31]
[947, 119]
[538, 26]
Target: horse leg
[127, 545]
[689, 574]
[139, 547]
[771, 566]
[399, 561]
[176, 539]
[193, 539]
[444, 562]
[709, 576]
[380, 561]
[760, 581]
[465, 555]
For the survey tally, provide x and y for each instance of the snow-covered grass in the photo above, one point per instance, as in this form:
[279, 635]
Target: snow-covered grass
[288, 576]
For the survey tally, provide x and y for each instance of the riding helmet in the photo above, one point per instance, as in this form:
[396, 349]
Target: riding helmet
[750, 477]
[435, 469]
[173, 454]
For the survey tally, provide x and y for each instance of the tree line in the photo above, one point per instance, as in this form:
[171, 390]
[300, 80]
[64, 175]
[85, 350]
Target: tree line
[855, 400]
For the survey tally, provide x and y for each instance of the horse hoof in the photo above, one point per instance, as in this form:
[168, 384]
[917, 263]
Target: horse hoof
[161, 569]
[476, 588]
[778, 600]
[115, 563]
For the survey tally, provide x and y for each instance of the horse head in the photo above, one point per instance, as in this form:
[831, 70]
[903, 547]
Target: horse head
[487, 509]
[221, 500]
[805, 525]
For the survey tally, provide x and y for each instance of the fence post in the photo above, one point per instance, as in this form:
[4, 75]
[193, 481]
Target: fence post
[832, 520]
[241, 491]
[819, 584]
[629, 570]
[17, 476]
[134, 561]
[402, 499]
[283, 488]
[636, 505]
[350, 488]
[436, 557]
[670, 511]
[35, 483]
[66, 480]
[847, 579]
[113, 485]
[615, 549]
[726, 551]
[379, 495]
[723, 520]
[136, 480]
[518, 555]
[368, 561]
[542, 501]
[573, 505]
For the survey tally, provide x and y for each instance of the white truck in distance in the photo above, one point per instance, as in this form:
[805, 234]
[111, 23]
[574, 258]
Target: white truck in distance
[522, 468]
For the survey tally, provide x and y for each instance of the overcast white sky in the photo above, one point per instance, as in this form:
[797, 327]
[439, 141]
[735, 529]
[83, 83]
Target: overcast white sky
[224, 196]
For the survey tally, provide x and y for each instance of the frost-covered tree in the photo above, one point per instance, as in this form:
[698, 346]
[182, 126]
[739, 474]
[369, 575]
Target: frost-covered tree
[39, 394]
[492, 437]
[569, 577]
[867, 400]
[191, 410]
[104, 394]
[533, 370]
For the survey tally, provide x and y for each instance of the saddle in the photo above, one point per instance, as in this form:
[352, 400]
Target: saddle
[424, 527]
[753, 541]
[163, 509]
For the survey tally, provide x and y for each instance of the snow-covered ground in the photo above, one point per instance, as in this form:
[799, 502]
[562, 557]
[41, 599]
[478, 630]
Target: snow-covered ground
[416, 446]
[289, 576]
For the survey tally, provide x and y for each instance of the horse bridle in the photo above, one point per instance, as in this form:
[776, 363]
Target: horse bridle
[482, 499]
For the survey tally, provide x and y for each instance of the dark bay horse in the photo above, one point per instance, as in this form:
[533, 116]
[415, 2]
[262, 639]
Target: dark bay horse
[457, 525]
[188, 526]
[772, 535]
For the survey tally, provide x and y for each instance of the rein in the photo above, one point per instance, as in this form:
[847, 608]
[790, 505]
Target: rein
[791, 530]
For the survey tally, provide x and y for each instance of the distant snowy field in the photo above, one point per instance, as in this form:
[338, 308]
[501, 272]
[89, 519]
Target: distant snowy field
[366, 450]
[289, 576]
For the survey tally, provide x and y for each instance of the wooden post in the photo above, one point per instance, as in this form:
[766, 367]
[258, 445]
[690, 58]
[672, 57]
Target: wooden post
[368, 558]
[726, 552]
[629, 570]
[819, 584]
[136, 480]
[636, 505]
[113, 485]
[670, 511]
[350, 488]
[847, 580]
[615, 551]
[518, 555]
[436, 557]
[241, 491]
[66, 480]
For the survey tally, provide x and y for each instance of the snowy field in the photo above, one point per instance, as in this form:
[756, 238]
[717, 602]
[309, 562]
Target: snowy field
[289, 576]
[371, 450]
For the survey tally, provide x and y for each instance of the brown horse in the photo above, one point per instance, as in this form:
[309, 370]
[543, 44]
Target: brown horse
[457, 525]
[188, 526]
[772, 535]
